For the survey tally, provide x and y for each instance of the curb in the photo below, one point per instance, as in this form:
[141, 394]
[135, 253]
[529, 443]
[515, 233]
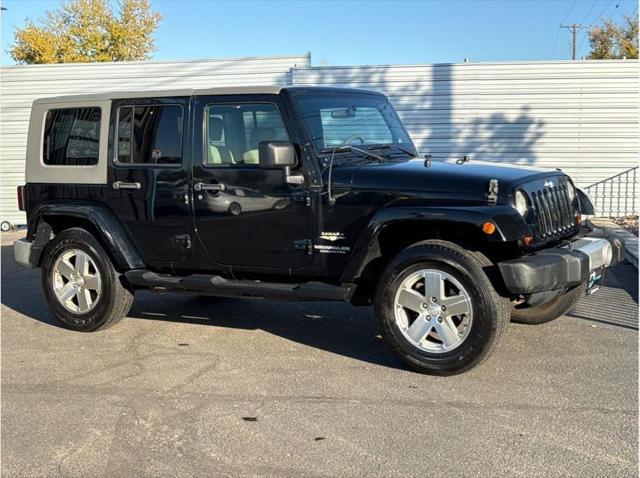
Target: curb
[630, 240]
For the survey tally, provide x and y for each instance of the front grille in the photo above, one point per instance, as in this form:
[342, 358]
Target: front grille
[553, 212]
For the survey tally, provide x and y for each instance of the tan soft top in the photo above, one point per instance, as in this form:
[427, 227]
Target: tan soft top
[110, 95]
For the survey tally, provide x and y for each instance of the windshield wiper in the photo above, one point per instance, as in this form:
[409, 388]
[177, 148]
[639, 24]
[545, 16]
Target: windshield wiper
[389, 146]
[347, 147]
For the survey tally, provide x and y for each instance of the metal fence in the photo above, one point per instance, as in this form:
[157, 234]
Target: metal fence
[617, 195]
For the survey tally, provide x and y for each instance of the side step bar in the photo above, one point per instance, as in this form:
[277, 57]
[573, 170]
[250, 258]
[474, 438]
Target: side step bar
[219, 286]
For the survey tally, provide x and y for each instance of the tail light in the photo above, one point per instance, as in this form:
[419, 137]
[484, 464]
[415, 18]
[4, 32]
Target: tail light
[21, 198]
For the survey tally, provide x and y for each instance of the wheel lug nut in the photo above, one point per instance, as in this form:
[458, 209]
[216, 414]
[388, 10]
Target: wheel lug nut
[444, 307]
[434, 300]
[439, 319]
[424, 305]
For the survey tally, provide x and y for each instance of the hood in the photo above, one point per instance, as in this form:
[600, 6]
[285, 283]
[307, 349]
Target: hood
[467, 179]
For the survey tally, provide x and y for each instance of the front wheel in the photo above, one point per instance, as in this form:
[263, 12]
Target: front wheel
[83, 289]
[437, 309]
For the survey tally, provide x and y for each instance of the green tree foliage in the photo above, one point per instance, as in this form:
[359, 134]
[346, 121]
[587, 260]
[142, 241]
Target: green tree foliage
[611, 40]
[88, 31]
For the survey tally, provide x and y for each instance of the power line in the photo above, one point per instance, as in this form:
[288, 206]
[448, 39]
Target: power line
[589, 12]
[598, 18]
[576, 27]
[555, 42]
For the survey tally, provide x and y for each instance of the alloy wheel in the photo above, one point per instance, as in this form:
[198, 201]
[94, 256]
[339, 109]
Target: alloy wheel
[76, 281]
[433, 311]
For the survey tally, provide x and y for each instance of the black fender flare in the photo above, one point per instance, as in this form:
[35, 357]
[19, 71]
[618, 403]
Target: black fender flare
[112, 233]
[586, 204]
[510, 226]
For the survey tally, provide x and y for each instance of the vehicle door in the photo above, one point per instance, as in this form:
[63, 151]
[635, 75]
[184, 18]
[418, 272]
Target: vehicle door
[246, 215]
[149, 175]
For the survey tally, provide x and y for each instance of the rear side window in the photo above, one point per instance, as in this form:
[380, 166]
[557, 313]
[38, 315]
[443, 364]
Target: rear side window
[71, 137]
[150, 134]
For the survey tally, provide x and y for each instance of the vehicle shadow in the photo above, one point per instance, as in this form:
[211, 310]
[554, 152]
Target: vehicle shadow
[335, 327]
[20, 288]
[331, 326]
[616, 303]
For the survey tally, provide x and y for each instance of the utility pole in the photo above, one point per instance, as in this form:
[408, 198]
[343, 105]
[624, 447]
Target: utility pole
[574, 30]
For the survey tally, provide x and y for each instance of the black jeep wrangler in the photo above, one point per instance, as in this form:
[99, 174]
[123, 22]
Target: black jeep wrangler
[297, 194]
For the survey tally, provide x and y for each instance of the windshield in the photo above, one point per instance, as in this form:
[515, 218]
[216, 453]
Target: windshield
[339, 119]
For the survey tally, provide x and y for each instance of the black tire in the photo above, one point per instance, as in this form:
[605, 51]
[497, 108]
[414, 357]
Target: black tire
[549, 311]
[490, 310]
[115, 297]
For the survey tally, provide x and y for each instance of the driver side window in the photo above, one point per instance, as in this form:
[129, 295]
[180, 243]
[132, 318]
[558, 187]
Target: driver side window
[235, 131]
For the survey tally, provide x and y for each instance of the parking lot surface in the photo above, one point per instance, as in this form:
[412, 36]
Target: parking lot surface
[198, 386]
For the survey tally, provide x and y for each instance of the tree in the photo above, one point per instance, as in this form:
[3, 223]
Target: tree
[88, 31]
[611, 40]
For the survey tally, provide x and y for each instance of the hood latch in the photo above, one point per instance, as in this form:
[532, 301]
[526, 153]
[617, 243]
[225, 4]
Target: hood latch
[492, 194]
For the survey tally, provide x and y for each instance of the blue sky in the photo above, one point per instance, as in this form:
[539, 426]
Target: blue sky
[360, 32]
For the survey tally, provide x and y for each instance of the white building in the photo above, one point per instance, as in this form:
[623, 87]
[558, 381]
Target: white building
[580, 116]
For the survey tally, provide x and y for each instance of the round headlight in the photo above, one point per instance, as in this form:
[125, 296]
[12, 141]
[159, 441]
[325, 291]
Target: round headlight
[522, 204]
[571, 190]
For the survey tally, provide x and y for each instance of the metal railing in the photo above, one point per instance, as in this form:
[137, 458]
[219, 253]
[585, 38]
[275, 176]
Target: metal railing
[616, 196]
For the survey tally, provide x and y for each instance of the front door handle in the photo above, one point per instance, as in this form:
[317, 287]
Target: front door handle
[208, 187]
[121, 185]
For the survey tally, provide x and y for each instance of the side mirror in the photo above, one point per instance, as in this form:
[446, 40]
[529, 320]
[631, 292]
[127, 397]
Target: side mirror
[276, 155]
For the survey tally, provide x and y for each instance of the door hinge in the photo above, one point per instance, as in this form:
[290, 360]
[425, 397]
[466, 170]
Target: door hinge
[302, 196]
[184, 241]
[303, 245]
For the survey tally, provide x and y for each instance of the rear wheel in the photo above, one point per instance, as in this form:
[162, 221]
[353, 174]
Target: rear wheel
[437, 309]
[83, 289]
[549, 311]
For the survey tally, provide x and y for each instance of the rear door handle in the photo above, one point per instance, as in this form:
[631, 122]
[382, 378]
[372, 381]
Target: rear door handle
[121, 185]
[208, 187]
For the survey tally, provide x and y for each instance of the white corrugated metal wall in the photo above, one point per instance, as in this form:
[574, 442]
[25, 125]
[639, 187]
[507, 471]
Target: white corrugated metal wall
[20, 85]
[580, 116]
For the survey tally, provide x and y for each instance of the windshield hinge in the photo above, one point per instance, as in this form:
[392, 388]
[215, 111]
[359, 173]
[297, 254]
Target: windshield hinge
[303, 245]
[183, 240]
[302, 196]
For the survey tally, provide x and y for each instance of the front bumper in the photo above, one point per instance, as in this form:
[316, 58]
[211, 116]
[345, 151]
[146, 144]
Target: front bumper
[563, 267]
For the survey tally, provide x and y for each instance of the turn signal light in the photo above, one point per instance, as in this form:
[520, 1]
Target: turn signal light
[578, 219]
[527, 240]
[488, 228]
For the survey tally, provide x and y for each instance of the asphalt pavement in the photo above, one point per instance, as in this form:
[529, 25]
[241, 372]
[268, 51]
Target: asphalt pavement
[198, 386]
